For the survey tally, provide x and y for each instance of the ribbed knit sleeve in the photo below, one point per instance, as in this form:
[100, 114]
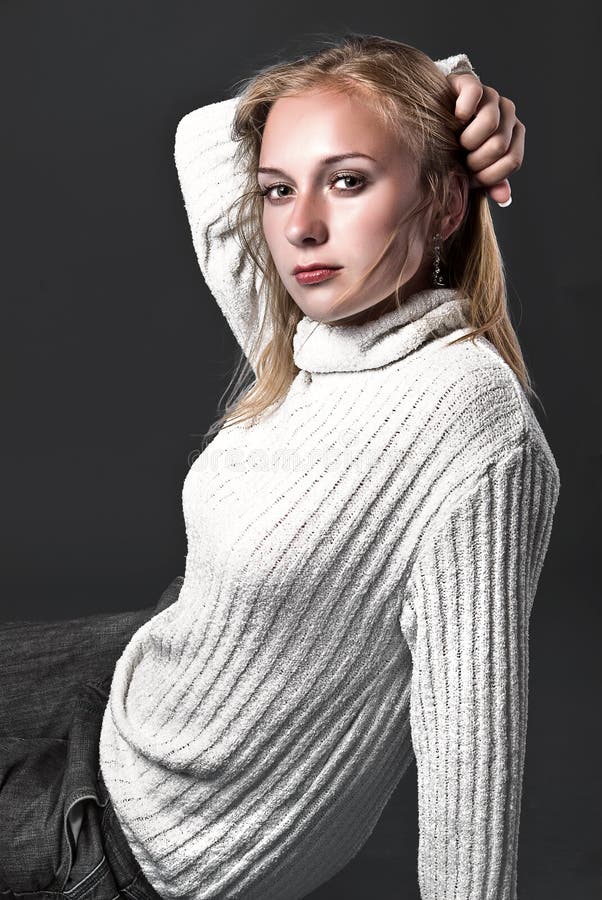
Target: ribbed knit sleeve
[211, 183]
[456, 65]
[466, 620]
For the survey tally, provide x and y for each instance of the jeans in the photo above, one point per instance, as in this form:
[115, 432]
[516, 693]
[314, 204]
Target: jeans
[55, 679]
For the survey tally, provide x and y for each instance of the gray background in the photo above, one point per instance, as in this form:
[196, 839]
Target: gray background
[114, 355]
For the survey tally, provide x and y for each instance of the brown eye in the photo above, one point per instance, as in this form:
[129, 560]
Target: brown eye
[356, 177]
[340, 176]
[266, 191]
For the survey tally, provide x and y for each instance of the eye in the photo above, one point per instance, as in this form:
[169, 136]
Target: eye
[340, 176]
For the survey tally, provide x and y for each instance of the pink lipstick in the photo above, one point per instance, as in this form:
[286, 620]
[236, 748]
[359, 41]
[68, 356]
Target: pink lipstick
[313, 276]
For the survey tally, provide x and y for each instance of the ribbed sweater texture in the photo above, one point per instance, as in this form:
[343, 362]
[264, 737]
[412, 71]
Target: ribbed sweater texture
[361, 567]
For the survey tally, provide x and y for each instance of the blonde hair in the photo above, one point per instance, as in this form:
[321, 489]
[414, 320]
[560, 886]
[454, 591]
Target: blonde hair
[413, 97]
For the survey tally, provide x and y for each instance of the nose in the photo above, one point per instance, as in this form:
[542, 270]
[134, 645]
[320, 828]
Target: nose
[306, 223]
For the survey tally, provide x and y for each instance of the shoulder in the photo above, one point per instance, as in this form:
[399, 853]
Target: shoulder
[484, 447]
[472, 413]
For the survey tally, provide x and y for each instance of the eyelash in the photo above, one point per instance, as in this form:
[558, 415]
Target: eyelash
[265, 191]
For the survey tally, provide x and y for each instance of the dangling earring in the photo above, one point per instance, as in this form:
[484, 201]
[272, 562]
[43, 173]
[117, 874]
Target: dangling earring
[438, 280]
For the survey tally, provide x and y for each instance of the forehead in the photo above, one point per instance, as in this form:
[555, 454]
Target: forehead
[323, 123]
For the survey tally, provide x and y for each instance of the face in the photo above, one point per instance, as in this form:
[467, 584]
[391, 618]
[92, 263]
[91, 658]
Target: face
[339, 213]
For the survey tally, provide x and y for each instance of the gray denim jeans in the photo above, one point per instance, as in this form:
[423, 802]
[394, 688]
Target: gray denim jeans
[55, 679]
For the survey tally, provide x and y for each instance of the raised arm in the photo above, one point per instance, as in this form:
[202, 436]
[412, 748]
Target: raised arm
[210, 183]
[466, 620]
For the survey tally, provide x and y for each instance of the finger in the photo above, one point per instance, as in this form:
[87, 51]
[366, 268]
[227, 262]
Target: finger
[469, 90]
[506, 164]
[497, 144]
[501, 192]
[485, 122]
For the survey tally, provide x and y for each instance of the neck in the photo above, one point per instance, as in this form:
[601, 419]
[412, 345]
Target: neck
[420, 282]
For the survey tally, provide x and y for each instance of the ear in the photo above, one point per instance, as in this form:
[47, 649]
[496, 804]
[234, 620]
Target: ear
[457, 202]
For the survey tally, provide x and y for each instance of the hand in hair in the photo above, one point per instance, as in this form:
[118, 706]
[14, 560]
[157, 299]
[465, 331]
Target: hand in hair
[493, 135]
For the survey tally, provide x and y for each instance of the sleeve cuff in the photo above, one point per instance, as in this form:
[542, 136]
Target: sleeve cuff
[456, 65]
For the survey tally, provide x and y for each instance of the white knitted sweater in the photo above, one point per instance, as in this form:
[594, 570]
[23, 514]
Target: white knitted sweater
[360, 573]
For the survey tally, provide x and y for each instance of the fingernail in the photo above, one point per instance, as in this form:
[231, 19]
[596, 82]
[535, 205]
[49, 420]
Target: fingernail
[508, 201]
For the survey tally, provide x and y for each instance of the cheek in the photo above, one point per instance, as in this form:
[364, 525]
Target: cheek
[379, 214]
[265, 224]
[270, 233]
[366, 227]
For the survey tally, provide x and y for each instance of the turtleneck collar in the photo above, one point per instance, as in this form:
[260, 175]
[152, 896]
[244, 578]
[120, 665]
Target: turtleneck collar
[324, 347]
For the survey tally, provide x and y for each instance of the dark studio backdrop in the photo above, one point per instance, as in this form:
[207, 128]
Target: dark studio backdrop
[115, 355]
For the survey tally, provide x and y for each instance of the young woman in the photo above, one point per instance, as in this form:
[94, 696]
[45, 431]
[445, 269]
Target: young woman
[365, 531]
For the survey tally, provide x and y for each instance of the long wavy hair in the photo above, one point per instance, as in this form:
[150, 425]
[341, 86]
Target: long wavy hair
[414, 99]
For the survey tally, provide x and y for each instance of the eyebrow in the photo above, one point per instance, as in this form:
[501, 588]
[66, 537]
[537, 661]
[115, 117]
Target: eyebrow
[270, 170]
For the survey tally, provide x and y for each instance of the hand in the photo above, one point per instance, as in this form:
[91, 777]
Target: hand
[494, 136]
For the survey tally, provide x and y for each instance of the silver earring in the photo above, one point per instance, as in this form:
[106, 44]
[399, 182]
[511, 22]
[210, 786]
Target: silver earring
[438, 280]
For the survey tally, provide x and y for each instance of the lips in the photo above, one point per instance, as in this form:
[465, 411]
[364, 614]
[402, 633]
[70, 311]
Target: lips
[311, 266]
[313, 276]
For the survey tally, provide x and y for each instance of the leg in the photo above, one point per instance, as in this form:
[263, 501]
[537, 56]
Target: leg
[59, 830]
[44, 663]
